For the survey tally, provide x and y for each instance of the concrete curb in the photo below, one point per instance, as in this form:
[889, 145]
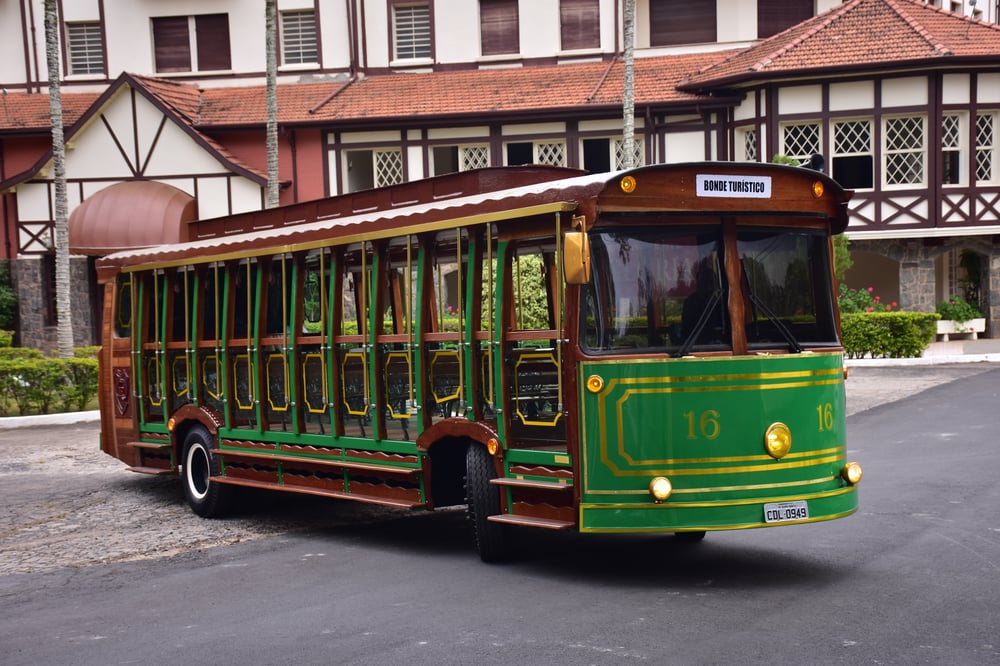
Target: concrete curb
[67, 418]
[935, 359]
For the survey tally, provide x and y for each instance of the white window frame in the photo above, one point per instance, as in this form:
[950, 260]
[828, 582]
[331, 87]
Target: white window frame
[747, 144]
[889, 181]
[412, 41]
[836, 147]
[959, 146]
[799, 154]
[466, 153]
[379, 178]
[991, 148]
[297, 44]
[85, 46]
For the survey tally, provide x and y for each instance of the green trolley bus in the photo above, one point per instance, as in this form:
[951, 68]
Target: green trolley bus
[655, 350]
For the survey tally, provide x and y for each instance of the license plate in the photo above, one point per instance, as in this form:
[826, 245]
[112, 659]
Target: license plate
[784, 512]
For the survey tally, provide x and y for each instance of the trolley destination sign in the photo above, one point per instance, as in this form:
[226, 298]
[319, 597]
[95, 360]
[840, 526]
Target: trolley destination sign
[754, 187]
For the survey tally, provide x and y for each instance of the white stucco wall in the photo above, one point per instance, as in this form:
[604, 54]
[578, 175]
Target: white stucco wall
[904, 92]
[800, 99]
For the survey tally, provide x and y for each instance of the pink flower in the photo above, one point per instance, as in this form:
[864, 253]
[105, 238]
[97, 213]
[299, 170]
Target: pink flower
[870, 289]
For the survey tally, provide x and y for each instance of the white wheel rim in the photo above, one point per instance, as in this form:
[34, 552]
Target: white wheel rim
[197, 455]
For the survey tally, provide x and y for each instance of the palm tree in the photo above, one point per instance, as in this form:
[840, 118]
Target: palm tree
[628, 101]
[64, 313]
[270, 46]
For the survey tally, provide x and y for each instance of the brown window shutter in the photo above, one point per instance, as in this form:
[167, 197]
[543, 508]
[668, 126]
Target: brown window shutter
[499, 26]
[171, 44]
[580, 22]
[212, 38]
[773, 16]
[674, 23]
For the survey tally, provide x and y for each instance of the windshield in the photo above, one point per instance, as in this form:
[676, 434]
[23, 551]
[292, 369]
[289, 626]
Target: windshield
[665, 291]
[786, 277]
[657, 291]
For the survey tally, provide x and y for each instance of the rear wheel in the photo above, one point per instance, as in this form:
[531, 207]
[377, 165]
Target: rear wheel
[492, 539]
[207, 498]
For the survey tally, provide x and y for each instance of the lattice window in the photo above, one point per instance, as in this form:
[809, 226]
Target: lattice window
[86, 48]
[411, 31]
[853, 159]
[298, 37]
[749, 145]
[388, 167]
[951, 149]
[853, 137]
[637, 153]
[905, 150]
[550, 153]
[473, 157]
[986, 147]
[801, 141]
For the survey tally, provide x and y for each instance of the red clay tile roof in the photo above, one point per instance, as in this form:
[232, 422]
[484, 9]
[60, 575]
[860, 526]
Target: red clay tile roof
[458, 93]
[30, 111]
[392, 96]
[183, 99]
[178, 99]
[857, 34]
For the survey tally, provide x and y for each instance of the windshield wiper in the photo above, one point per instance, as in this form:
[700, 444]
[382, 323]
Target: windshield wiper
[768, 312]
[706, 314]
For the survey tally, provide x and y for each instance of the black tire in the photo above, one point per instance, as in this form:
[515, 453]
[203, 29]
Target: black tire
[689, 537]
[483, 498]
[206, 498]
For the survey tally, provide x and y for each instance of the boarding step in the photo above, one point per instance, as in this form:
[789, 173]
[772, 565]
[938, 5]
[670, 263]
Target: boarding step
[155, 471]
[151, 446]
[308, 490]
[343, 464]
[534, 484]
[530, 521]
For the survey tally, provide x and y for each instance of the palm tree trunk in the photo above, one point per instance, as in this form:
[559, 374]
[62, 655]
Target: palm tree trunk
[270, 46]
[628, 97]
[64, 311]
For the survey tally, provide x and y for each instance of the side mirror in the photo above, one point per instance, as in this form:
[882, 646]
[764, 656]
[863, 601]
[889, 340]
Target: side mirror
[576, 257]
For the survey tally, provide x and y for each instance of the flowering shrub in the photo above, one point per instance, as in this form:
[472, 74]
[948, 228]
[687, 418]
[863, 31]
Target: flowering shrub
[957, 308]
[862, 300]
[887, 334]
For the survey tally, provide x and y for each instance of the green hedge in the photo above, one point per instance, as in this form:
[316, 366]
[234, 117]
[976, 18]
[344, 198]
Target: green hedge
[887, 334]
[30, 383]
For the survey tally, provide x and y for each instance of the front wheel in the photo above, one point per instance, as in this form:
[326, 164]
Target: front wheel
[492, 539]
[207, 498]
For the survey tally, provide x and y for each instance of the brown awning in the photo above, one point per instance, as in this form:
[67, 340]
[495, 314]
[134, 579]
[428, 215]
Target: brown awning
[133, 214]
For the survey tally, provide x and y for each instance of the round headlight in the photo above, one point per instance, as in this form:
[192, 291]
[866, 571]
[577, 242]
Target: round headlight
[778, 440]
[852, 473]
[660, 488]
